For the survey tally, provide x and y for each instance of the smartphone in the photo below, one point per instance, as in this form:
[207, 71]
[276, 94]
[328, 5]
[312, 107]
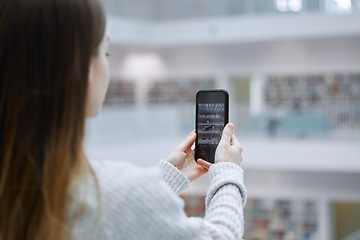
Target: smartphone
[212, 114]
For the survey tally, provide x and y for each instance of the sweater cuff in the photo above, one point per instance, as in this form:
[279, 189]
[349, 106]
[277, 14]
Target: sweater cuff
[173, 176]
[224, 173]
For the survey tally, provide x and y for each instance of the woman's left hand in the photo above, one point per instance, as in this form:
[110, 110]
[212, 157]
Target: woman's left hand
[183, 157]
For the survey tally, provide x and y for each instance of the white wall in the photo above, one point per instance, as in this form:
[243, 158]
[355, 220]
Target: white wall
[235, 29]
[293, 56]
[335, 55]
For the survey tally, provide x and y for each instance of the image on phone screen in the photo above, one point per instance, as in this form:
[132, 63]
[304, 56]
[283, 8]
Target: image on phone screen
[210, 123]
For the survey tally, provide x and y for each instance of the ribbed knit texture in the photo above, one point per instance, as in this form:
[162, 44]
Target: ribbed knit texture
[170, 174]
[225, 200]
[143, 204]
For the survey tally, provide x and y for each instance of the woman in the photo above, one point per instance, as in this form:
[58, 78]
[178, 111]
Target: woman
[54, 74]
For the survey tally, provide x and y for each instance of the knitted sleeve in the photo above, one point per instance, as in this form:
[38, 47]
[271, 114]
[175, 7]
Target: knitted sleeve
[225, 201]
[172, 176]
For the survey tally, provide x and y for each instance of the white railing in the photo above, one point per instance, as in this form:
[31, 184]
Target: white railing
[162, 10]
[169, 120]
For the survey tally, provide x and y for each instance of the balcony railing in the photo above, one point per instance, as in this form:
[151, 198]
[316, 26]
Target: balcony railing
[163, 10]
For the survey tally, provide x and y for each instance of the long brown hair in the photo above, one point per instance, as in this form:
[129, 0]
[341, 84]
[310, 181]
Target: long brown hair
[45, 52]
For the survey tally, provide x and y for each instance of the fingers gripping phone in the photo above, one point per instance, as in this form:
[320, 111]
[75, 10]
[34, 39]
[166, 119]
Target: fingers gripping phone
[212, 114]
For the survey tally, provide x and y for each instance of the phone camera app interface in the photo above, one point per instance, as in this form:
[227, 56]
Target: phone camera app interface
[211, 117]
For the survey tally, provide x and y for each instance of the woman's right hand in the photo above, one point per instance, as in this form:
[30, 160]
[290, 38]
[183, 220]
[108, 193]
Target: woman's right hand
[229, 149]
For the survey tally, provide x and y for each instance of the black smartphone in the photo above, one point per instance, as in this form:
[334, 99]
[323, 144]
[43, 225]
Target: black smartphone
[212, 114]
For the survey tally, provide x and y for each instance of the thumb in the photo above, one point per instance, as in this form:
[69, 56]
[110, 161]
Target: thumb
[227, 134]
[204, 163]
[188, 142]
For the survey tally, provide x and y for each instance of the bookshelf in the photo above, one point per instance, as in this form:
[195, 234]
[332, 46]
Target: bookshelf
[279, 219]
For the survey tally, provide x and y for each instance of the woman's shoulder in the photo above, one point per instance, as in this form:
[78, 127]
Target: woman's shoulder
[119, 180]
[125, 191]
[105, 169]
[135, 202]
[128, 192]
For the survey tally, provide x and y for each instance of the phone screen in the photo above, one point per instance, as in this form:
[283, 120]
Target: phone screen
[211, 117]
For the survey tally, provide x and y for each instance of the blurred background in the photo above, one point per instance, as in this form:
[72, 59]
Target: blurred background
[292, 69]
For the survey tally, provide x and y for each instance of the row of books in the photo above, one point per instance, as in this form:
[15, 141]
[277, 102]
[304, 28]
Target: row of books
[281, 219]
[123, 93]
[311, 92]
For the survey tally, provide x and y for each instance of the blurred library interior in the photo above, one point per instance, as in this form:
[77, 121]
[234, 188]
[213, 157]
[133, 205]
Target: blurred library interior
[292, 69]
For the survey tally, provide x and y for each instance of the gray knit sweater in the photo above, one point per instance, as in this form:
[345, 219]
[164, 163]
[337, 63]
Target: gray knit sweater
[143, 203]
